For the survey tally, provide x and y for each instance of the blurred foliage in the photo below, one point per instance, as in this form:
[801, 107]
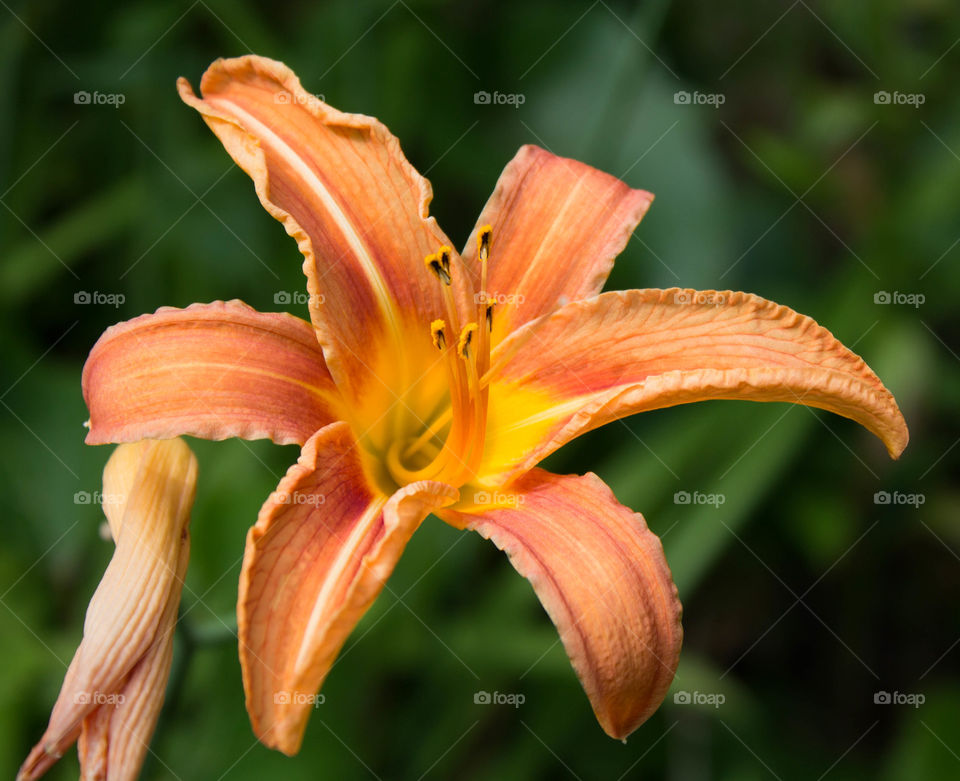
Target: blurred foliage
[802, 597]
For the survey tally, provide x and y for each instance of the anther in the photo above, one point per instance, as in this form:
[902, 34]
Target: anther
[483, 241]
[438, 330]
[463, 348]
[443, 255]
[490, 317]
[436, 265]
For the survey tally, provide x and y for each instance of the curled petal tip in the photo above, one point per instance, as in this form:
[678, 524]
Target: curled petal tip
[900, 436]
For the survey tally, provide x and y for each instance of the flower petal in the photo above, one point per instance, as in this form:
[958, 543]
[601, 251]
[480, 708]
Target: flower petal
[211, 370]
[358, 210]
[324, 545]
[557, 225]
[134, 607]
[625, 352]
[601, 576]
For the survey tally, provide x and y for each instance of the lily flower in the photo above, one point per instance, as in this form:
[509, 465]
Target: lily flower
[113, 690]
[432, 381]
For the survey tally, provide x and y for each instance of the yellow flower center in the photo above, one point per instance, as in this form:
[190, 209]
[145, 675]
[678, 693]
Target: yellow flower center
[450, 448]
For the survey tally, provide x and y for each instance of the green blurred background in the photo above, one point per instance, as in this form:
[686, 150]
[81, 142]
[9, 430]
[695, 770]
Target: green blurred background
[783, 175]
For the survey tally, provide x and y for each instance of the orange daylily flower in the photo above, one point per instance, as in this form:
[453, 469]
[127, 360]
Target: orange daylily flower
[114, 688]
[433, 382]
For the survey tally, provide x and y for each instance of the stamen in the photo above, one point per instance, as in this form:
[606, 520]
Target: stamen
[463, 348]
[443, 255]
[454, 440]
[477, 420]
[484, 239]
[404, 475]
[435, 264]
[484, 236]
[439, 264]
[459, 432]
[438, 330]
[479, 367]
[430, 432]
[505, 353]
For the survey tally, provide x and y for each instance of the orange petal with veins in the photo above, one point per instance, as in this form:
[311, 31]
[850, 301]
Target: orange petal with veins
[211, 370]
[557, 226]
[321, 551]
[601, 576]
[343, 189]
[619, 353]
